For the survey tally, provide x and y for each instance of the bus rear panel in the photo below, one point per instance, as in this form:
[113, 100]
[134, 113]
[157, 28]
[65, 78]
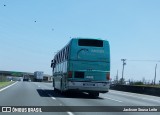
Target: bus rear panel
[82, 65]
[90, 65]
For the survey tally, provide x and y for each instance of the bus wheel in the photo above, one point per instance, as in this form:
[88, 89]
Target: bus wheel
[94, 94]
[55, 90]
[67, 93]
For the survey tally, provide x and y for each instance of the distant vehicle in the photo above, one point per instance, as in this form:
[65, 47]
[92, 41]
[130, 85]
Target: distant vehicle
[82, 65]
[38, 76]
[26, 77]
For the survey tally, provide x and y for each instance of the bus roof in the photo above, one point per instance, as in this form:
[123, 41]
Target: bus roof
[89, 38]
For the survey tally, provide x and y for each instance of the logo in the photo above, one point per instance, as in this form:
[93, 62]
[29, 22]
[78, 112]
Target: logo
[6, 109]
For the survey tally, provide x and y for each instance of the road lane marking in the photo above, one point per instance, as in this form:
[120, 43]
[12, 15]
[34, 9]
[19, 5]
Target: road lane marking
[113, 99]
[70, 113]
[85, 93]
[52, 97]
[8, 86]
[137, 96]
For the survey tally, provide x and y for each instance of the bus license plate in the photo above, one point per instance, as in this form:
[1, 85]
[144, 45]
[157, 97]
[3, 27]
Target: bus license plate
[88, 84]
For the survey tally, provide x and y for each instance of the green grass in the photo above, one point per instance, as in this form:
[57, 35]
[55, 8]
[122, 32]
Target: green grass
[3, 84]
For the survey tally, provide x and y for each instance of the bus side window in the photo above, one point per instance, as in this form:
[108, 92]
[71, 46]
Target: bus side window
[58, 58]
[63, 55]
[67, 52]
[55, 59]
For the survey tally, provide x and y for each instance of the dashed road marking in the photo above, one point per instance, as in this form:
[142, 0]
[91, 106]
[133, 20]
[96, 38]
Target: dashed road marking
[70, 113]
[85, 93]
[113, 99]
[7, 87]
[52, 97]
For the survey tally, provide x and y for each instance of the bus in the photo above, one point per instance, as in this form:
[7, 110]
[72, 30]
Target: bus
[82, 65]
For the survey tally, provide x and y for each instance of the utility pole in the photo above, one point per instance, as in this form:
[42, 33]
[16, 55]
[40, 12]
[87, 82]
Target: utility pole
[124, 63]
[117, 77]
[155, 75]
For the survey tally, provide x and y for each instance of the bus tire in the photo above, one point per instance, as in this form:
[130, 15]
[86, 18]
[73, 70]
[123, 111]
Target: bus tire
[55, 89]
[94, 94]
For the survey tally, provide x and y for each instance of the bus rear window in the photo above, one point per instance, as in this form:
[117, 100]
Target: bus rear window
[92, 43]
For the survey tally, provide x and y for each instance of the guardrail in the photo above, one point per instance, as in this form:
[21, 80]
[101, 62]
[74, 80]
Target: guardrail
[137, 89]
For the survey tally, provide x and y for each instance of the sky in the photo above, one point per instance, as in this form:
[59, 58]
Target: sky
[31, 31]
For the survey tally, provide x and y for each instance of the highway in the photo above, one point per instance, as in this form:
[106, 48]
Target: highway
[42, 94]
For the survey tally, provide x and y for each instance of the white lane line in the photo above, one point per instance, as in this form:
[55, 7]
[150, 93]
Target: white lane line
[113, 99]
[8, 86]
[52, 97]
[138, 97]
[85, 93]
[70, 113]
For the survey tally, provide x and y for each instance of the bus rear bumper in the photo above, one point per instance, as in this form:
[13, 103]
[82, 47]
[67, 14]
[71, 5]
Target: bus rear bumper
[101, 87]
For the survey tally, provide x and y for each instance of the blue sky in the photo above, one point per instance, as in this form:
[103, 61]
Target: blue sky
[131, 26]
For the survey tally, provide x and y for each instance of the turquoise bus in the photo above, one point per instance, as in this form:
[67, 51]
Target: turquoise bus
[82, 65]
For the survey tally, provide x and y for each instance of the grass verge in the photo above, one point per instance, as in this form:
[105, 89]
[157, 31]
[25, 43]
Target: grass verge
[4, 84]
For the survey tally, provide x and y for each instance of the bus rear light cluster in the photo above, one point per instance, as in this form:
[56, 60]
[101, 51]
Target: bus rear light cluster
[70, 74]
[108, 76]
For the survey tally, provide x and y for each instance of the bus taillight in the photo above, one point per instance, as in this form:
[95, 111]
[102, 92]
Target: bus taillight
[70, 74]
[108, 76]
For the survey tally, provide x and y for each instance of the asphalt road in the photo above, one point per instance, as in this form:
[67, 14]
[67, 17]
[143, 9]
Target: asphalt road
[42, 94]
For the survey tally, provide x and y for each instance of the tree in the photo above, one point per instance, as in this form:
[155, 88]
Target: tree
[16, 74]
[143, 80]
[2, 78]
[122, 81]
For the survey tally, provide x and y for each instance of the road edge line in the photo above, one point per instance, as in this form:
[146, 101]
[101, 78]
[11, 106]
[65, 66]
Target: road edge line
[8, 86]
